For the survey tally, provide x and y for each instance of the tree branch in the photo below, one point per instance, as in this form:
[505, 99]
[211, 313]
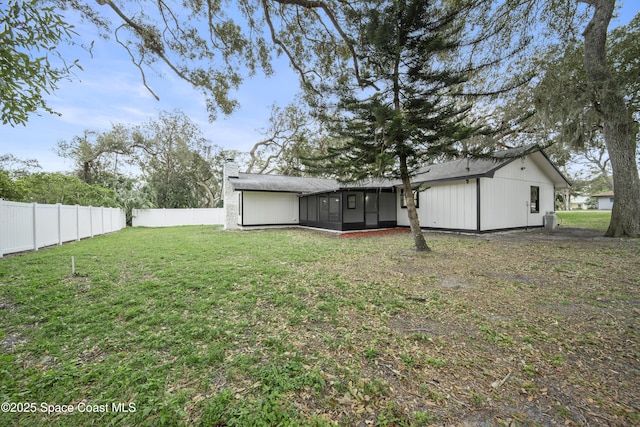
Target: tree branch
[138, 64]
[150, 42]
[314, 4]
[279, 42]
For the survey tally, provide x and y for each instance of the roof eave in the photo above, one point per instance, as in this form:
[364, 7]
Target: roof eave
[558, 171]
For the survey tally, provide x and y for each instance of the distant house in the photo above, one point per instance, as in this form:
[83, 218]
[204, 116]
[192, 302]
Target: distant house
[605, 200]
[463, 195]
[579, 202]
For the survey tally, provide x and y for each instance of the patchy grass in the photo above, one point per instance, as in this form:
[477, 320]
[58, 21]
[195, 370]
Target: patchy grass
[194, 326]
[593, 220]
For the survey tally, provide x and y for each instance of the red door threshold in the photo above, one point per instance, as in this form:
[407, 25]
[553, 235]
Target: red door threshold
[367, 233]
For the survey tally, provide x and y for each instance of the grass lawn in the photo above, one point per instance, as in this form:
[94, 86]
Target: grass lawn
[594, 220]
[195, 326]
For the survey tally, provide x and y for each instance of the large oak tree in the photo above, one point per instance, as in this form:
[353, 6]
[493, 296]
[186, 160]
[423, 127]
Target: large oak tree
[619, 127]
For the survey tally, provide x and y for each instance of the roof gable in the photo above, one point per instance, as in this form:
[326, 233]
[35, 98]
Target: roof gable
[481, 168]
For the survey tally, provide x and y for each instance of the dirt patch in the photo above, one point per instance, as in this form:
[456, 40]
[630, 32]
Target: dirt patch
[542, 235]
[517, 328]
[11, 341]
[7, 306]
[454, 283]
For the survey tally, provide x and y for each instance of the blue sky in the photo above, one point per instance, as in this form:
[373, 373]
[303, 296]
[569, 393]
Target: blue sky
[110, 90]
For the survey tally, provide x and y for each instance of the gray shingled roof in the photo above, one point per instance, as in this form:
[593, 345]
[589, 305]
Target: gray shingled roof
[298, 184]
[457, 169]
[449, 171]
[281, 183]
[478, 168]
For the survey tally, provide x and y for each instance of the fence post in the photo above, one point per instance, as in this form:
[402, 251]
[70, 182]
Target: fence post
[35, 226]
[91, 219]
[59, 223]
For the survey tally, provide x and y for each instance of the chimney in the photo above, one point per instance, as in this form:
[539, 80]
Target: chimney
[231, 168]
[231, 202]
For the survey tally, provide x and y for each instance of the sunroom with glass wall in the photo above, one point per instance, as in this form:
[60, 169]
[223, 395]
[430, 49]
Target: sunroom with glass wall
[350, 209]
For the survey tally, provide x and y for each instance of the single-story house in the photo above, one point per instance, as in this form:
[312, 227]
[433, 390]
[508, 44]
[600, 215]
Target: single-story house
[605, 200]
[579, 203]
[472, 195]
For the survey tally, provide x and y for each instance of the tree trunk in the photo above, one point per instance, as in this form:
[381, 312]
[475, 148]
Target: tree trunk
[618, 124]
[414, 222]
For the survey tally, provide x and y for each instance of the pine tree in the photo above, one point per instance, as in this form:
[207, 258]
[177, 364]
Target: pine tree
[410, 113]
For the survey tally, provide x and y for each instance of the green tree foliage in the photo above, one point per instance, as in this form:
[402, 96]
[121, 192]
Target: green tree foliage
[165, 163]
[9, 190]
[29, 35]
[12, 167]
[415, 114]
[573, 118]
[179, 165]
[291, 134]
[51, 188]
[571, 108]
[108, 159]
[100, 157]
[623, 53]
[213, 45]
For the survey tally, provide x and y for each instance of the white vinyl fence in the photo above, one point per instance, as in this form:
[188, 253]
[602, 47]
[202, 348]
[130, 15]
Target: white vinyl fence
[29, 226]
[174, 217]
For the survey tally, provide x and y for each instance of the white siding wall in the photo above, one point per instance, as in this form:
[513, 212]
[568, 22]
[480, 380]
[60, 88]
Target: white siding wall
[449, 205]
[505, 198]
[605, 203]
[264, 208]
